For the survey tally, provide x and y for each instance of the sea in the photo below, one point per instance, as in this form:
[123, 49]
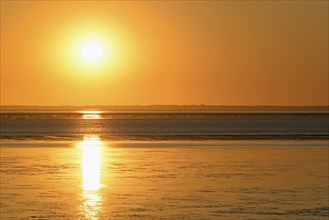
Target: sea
[189, 165]
[165, 125]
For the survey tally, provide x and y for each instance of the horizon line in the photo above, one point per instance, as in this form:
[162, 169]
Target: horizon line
[164, 105]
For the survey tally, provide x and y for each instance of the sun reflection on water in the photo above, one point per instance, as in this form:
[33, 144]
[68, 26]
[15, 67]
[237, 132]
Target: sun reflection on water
[91, 177]
[91, 163]
[91, 114]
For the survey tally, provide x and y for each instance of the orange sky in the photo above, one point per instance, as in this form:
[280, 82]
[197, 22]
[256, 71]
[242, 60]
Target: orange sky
[218, 53]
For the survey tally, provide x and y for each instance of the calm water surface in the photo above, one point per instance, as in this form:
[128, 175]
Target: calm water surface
[164, 126]
[91, 179]
[101, 165]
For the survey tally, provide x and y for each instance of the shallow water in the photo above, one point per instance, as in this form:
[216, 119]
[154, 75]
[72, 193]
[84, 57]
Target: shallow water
[91, 179]
[164, 126]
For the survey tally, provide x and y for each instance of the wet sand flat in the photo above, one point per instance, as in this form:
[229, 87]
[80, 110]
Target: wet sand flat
[174, 180]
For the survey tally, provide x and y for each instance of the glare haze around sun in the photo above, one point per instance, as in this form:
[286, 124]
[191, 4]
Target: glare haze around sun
[91, 51]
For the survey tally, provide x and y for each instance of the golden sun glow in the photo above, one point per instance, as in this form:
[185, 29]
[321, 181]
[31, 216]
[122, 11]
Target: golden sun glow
[91, 51]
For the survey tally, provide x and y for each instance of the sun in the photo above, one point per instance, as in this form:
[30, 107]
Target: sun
[91, 51]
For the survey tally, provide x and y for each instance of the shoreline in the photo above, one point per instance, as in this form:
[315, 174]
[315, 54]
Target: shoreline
[167, 143]
[161, 138]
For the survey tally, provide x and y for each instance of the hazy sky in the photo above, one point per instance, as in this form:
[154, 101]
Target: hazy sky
[215, 52]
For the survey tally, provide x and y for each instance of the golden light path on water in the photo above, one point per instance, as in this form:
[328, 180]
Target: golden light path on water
[91, 163]
[91, 114]
[91, 177]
